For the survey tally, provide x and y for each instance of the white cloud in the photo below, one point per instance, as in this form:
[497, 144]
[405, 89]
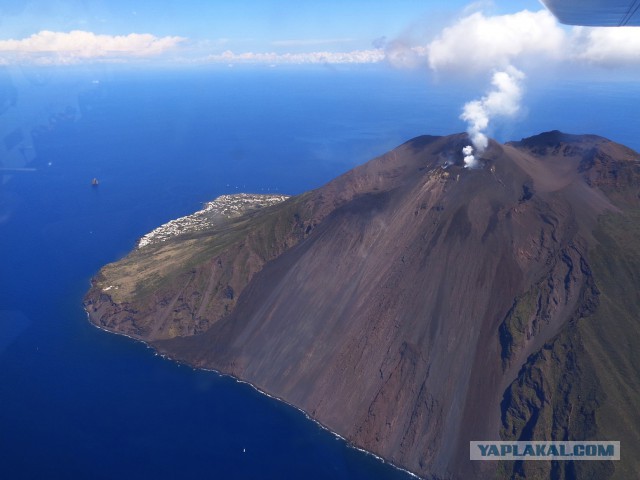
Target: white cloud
[78, 45]
[480, 43]
[402, 55]
[477, 42]
[607, 46]
[356, 56]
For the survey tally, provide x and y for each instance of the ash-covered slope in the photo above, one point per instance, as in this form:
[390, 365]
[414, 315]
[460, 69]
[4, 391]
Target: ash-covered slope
[403, 305]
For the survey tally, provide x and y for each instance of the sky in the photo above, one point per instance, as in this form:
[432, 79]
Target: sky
[293, 31]
[254, 22]
[456, 35]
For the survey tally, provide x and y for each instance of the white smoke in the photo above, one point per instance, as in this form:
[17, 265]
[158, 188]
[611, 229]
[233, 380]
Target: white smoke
[502, 100]
[469, 158]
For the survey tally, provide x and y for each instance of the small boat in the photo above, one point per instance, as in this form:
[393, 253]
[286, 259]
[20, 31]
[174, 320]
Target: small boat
[94, 182]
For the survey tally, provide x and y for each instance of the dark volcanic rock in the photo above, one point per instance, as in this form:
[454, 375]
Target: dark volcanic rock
[410, 305]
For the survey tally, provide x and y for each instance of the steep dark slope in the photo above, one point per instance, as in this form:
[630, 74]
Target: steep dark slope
[183, 286]
[584, 384]
[407, 304]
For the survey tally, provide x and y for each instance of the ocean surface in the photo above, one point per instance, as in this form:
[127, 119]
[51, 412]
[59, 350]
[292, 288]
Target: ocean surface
[76, 402]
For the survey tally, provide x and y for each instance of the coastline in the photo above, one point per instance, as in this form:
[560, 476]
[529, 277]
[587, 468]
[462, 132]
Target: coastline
[165, 356]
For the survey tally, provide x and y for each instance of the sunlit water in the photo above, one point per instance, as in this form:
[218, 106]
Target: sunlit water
[76, 402]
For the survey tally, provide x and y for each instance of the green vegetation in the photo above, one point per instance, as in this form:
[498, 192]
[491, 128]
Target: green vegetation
[585, 384]
[612, 334]
[187, 275]
[517, 325]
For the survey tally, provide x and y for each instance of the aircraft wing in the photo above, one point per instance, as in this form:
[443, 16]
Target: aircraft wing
[597, 13]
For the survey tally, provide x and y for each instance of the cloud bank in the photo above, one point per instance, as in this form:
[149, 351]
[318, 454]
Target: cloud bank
[609, 47]
[478, 43]
[356, 56]
[78, 45]
[475, 43]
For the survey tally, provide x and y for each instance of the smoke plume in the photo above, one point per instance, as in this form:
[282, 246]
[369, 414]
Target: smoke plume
[469, 158]
[503, 100]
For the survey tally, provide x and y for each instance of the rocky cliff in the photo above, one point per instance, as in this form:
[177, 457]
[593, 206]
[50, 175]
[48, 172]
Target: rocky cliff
[412, 305]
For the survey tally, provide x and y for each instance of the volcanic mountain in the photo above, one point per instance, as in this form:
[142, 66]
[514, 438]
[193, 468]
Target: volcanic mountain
[412, 305]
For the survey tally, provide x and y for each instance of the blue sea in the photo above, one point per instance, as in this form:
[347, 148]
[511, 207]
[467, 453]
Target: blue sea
[76, 402]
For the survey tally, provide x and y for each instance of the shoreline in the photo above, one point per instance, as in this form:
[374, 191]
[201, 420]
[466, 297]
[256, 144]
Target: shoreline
[165, 356]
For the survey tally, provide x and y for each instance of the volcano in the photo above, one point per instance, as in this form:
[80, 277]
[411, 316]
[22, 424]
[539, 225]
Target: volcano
[413, 305]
